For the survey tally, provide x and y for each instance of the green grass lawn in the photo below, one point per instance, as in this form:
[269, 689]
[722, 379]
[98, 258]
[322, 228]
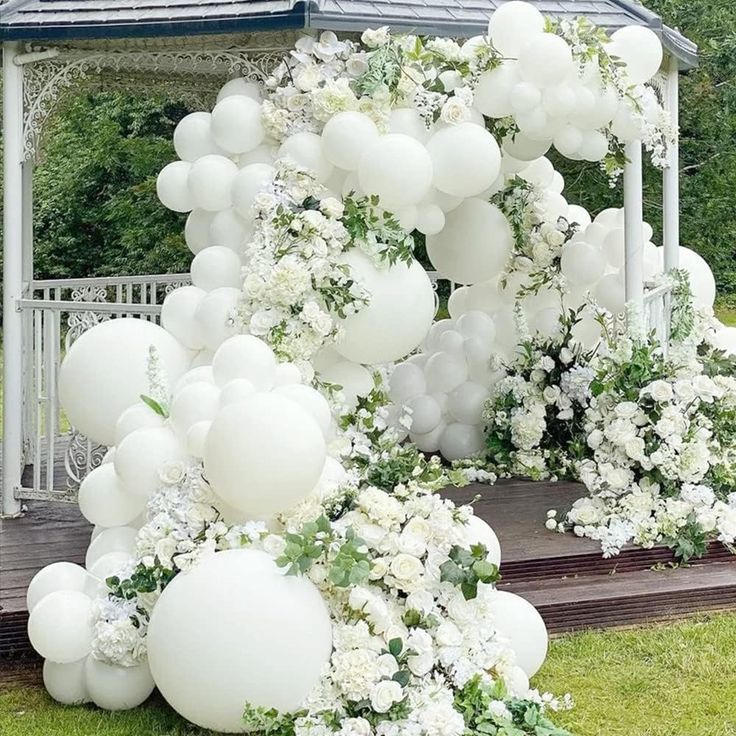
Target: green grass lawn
[669, 680]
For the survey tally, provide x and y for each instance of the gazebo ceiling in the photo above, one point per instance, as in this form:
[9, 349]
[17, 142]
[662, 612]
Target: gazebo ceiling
[74, 19]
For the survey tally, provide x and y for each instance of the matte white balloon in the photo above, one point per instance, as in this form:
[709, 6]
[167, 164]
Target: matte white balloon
[106, 370]
[518, 621]
[398, 169]
[210, 180]
[406, 382]
[103, 500]
[407, 121]
[568, 140]
[66, 683]
[215, 267]
[215, 315]
[54, 577]
[445, 372]
[228, 228]
[493, 90]
[172, 187]
[582, 264]
[236, 124]
[702, 281]
[466, 403]
[345, 137]
[197, 229]
[197, 438]
[248, 183]
[141, 456]
[225, 634]
[609, 293]
[115, 539]
[460, 441]
[178, 315]
[305, 150]
[426, 414]
[113, 687]
[545, 59]
[193, 137]
[524, 148]
[429, 442]
[239, 86]
[640, 49]
[196, 402]
[401, 295]
[512, 25]
[60, 627]
[311, 401]
[354, 379]
[274, 443]
[479, 532]
[286, 374]
[466, 159]
[474, 245]
[245, 356]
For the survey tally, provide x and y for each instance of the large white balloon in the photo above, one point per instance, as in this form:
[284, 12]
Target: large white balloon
[640, 49]
[400, 295]
[117, 688]
[106, 371]
[104, 501]
[172, 187]
[474, 245]
[60, 627]
[272, 442]
[518, 621]
[210, 180]
[236, 124]
[193, 137]
[226, 634]
[398, 169]
[512, 25]
[702, 281]
[466, 159]
[345, 137]
[178, 316]
[53, 577]
[66, 683]
[545, 59]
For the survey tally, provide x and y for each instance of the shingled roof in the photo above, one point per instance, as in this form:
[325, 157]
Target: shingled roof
[69, 19]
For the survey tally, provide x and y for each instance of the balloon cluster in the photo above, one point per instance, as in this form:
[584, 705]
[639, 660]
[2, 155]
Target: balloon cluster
[554, 99]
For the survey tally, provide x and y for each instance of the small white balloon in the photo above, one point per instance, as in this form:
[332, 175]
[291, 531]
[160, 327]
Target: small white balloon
[345, 137]
[582, 264]
[239, 86]
[54, 577]
[247, 184]
[228, 228]
[236, 124]
[430, 219]
[466, 403]
[193, 137]
[178, 316]
[513, 24]
[216, 267]
[60, 626]
[197, 437]
[609, 293]
[640, 49]
[493, 90]
[426, 414]
[445, 372]
[115, 539]
[545, 59]
[702, 281]
[104, 501]
[66, 683]
[172, 187]
[196, 402]
[113, 687]
[210, 181]
[524, 148]
[457, 302]
[406, 382]
[197, 229]
[460, 441]
[245, 356]
[354, 379]
[305, 150]
[568, 140]
[407, 121]
[215, 315]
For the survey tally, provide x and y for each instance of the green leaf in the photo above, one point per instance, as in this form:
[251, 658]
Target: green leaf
[153, 404]
[395, 646]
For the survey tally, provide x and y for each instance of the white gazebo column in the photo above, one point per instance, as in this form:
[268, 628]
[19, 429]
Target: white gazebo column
[671, 175]
[12, 277]
[633, 225]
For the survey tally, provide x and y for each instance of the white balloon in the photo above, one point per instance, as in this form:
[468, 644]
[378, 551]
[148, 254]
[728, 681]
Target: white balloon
[245, 356]
[195, 375]
[140, 457]
[614, 247]
[106, 370]
[311, 401]
[193, 137]
[356, 381]
[477, 324]
[406, 382]
[305, 150]
[579, 215]
[461, 441]
[545, 59]
[594, 146]
[429, 442]
[345, 137]
[558, 100]
[398, 169]
[60, 627]
[609, 293]
[197, 437]
[582, 264]
[445, 372]
[484, 297]
[115, 539]
[425, 414]
[236, 124]
[493, 91]
[568, 140]
[627, 125]
[247, 184]
[216, 267]
[525, 97]
[512, 25]
[178, 315]
[274, 443]
[640, 49]
[54, 577]
[539, 172]
[214, 315]
[228, 228]
[196, 402]
[210, 180]
[466, 403]
[407, 121]
[225, 634]
[266, 153]
[702, 281]
[518, 621]
[239, 86]
[524, 148]
[430, 219]
[108, 565]
[474, 245]
[479, 532]
[287, 374]
[172, 187]
[400, 294]
[451, 341]
[197, 229]
[466, 159]
[457, 302]
[104, 501]
[113, 687]
[66, 683]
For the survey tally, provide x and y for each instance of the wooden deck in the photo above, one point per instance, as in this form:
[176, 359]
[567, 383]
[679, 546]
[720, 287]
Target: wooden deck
[565, 577]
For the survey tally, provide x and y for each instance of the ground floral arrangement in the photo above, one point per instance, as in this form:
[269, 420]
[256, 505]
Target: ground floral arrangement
[271, 550]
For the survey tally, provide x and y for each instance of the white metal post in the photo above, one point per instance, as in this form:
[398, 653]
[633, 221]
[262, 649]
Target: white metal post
[12, 277]
[671, 175]
[633, 225]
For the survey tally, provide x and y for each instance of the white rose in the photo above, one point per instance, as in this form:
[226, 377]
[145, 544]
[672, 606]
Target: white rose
[660, 391]
[595, 439]
[308, 77]
[384, 694]
[387, 665]
[420, 600]
[171, 473]
[379, 568]
[374, 37]
[165, 550]
[448, 635]
[332, 207]
[626, 409]
[355, 727]
[412, 544]
[274, 545]
[454, 111]
[406, 567]
[420, 664]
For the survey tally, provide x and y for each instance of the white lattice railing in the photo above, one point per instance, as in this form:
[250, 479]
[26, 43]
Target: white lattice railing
[658, 313]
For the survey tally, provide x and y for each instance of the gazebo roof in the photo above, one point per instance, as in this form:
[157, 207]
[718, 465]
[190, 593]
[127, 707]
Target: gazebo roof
[70, 19]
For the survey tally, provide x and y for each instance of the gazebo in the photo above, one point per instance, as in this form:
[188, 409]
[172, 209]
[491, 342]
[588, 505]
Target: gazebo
[53, 47]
